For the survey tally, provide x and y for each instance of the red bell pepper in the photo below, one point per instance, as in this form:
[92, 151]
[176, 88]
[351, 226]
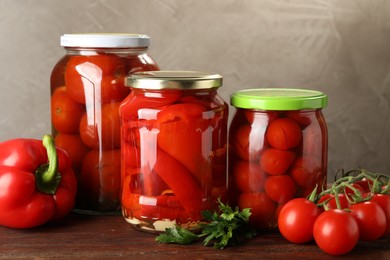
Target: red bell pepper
[37, 183]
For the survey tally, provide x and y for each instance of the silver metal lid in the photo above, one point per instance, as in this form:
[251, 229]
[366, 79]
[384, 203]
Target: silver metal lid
[105, 40]
[173, 80]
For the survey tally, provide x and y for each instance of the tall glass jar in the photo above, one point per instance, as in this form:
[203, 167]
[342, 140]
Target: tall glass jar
[174, 148]
[277, 149]
[87, 86]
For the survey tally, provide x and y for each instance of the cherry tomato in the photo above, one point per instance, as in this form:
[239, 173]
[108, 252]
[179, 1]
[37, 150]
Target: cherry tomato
[100, 176]
[331, 201]
[260, 117]
[280, 188]
[101, 127]
[74, 146]
[303, 118]
[275, 161]
[371, 220]
[96, 79]
[65, 112]
[383, 201]
[296, 220]
[336, 232]
[306, 171]
[366, 184]
[350, 191]
[284, 133]
[262, 208]
[312, 141]
[249, 177]
[248, 142]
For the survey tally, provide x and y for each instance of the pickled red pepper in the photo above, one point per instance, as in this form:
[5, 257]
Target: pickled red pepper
[161, 207]
[185, 188]
[185, 120]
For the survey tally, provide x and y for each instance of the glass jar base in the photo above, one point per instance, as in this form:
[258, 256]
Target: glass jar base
[159, 226]
[96, 213]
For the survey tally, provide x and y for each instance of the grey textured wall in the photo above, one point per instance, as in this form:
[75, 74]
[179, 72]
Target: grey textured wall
[339, 47]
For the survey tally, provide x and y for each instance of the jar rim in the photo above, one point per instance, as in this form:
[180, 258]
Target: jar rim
[279, 99]
[167, 79]
[105, 40]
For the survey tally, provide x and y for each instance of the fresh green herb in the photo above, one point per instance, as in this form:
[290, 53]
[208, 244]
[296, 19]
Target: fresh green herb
[227, 227]
[177, 235]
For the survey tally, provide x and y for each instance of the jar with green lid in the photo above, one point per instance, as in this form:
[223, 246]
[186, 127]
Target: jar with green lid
[173, 148]
[87, 86]
[277, 149]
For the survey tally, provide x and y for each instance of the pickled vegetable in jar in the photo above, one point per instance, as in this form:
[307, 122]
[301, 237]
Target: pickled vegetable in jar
[87, 86]
[277, 150]
[174, 148]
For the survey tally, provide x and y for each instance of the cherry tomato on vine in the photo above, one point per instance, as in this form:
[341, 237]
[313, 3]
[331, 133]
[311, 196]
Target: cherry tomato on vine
[296, 220]
[359, 188]
[366, 184]
[275, 161]
[65, 112]
[383, 201]
[280, 188]
[336, 232]
[331, 201]
[371, 220]
[284, 133]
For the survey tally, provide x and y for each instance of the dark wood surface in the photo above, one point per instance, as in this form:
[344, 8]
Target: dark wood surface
[108, 237]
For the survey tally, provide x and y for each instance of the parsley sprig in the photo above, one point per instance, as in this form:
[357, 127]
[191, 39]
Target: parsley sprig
[227, 227]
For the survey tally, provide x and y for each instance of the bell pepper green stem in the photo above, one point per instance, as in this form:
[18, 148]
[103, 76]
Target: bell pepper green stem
[47, 175]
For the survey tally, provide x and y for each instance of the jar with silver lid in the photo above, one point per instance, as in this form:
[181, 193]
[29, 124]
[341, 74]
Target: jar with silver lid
[87, 86]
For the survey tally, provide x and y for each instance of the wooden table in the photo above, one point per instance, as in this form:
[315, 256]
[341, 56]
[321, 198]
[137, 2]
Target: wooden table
[108, 237]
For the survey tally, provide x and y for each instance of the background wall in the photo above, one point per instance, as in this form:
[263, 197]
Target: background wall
[339, 47]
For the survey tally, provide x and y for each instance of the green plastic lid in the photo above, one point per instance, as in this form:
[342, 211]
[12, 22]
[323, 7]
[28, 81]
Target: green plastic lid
[279, 99]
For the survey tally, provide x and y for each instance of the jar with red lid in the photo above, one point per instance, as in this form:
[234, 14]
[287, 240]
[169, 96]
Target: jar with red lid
[87, 86]
[277, 149]
[174, 148]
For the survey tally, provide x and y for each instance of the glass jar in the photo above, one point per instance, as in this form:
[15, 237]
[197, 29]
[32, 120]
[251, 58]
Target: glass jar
[87, 86]
[174, 148]
[277, 150]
